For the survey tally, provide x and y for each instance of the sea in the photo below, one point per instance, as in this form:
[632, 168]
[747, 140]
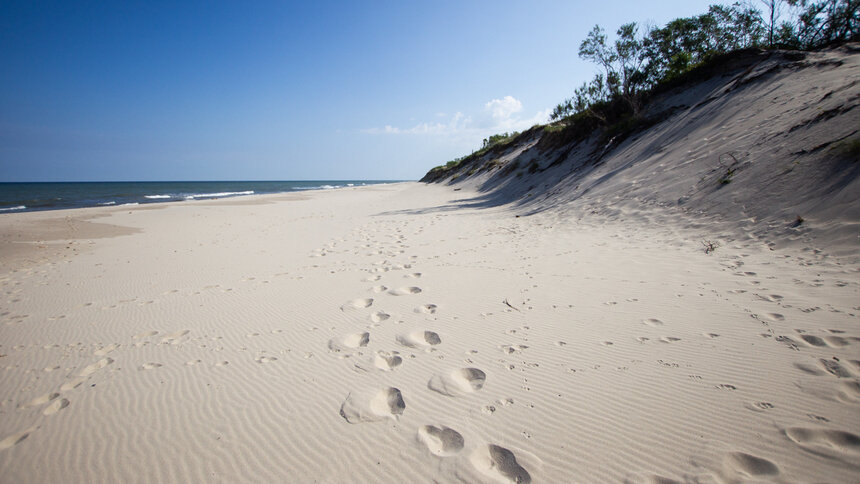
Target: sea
[26, 197]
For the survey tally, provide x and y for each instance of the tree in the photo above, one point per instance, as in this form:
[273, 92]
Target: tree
[822, 22]
[621, 62]
[773, 10]
[684, 42]
[632, 64]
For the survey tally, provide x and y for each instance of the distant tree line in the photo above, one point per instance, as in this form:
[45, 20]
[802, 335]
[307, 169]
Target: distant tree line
[497, 138]
[634, 63]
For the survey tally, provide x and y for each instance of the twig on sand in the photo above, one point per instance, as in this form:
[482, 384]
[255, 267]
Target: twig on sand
[509, 305]
[710, 246]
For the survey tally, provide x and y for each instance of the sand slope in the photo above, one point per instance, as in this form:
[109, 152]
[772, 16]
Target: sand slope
[755, 150]
[401, 333]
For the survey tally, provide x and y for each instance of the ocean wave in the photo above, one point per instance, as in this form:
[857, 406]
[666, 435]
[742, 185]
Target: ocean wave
[217, 195]
[156, 196]
[8, 209]
[108, 203]
[321, 187]
[129, 204]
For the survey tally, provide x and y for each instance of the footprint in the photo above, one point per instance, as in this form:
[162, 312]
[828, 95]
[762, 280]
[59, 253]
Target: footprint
[89, 370]
[839, 440]
[499, 464]
[836, 341]
[193, 362]
[379, 316]
[458, 382]
[360, 303]
[511, 349]
[378, 289]
[349, 341]
[387, 360]
[759, 406]
[149, 366]
[751, 465]
[669, 339]
[808, 369]
[419, 339]
[786, 341]
[835, 368]
[106, 350]
[426, 309]
[652, 322]
[41, 400]
[364, 407]
[372, 278]
[812, 340]
[403, 291]
[775, 317]
[414, 275]
[174, 338]
[265, 359]
[442, 441]
[14, 439]
[72, 384]
[56, 406]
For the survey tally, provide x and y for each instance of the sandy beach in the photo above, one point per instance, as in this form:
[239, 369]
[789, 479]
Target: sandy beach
[413, 333]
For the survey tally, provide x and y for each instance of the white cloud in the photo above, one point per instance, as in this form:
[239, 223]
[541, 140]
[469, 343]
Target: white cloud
[498, 116]
[458, 122]
[502, 109]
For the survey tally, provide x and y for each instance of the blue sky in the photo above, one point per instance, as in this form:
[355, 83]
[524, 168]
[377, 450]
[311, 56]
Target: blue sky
[93, 91]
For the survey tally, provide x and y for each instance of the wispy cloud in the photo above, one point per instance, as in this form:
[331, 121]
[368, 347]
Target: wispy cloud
[458, 122]
[498, 115]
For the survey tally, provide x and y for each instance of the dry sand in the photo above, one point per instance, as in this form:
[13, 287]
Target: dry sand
[406, 333]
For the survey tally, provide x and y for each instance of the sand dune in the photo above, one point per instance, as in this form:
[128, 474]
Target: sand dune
[754, 150]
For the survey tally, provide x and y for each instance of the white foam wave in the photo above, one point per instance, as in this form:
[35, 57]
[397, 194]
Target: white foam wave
[217, 195]
[129, 204]
[7, 209]
[108, 203]
[321, 187]
[156, 196]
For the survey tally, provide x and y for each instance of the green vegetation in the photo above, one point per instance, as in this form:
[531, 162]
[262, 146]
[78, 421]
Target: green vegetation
[727, 178]
[731, 168]
[638, 64]
[496, 139]
[448, 166]
[633, 64]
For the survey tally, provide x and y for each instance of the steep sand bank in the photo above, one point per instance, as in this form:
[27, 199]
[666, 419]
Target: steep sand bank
[757, 148]
[413, 333]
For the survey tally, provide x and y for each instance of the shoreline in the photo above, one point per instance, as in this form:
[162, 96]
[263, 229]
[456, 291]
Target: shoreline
[51, 196]
[407, 330]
